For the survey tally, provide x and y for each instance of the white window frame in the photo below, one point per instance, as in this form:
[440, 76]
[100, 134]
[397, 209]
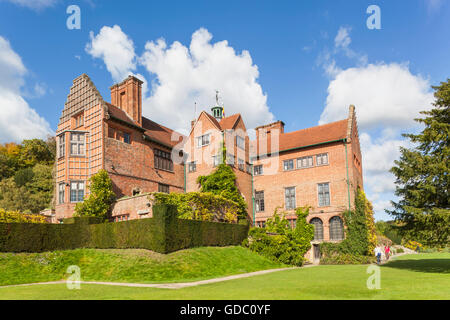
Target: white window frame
[240, 145]
[61, 192]
[78, 143]
[77, 191]
[320, 162]
[62, 145]
[259, 166]
[295, 198]
[201, 140]
[284, 166]
[309, 164]
[329, 194]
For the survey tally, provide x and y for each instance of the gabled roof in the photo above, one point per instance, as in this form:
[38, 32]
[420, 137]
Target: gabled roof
[154, 131]
[329, 132]
[229, 122]
[225, 123]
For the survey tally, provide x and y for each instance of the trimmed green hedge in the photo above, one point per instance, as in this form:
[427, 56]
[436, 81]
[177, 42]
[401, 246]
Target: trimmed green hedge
[163, 233]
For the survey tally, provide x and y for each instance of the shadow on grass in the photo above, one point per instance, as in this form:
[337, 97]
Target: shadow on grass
[425, 265]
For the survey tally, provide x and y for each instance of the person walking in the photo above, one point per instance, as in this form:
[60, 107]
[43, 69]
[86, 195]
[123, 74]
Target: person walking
[378, 254]
[387, 252]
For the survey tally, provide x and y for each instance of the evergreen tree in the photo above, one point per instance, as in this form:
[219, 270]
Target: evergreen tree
[422, 176]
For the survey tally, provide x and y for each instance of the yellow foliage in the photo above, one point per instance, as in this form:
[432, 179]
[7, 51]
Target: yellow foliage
[16, 216]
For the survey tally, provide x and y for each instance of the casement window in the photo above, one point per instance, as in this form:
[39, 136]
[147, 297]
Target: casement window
[289, 198]
[231, 160]
[322, 159]
[203, 140]
[192, 167]
[318, 228]
[336, 228]
[261, 224]
[258, 170]
[163, 160]
[77, 144]
[240, 142]
[76, 191]
[324, 194]
[241, 164]
[61, 192]
[288, 165]
[126, 138]
[79, 120]
[305, 162]
[163, 188]
[62, 145]
[217, 159]
[259, 201]
[249, 168]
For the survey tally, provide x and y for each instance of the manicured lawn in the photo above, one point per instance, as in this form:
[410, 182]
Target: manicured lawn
[131, 265]
[424, 276]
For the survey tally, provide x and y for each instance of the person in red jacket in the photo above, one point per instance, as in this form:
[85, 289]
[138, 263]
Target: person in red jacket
[387, 251]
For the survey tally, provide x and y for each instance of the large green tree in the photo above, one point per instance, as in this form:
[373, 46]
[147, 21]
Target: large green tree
[422, 176]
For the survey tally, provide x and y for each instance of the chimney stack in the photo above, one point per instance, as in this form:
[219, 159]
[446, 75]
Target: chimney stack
[127, 96]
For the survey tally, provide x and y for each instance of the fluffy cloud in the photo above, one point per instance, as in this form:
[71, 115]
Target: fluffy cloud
[385, 95]
[34, 4]
[17, 120]
[187, 75]
[116, 50]
[184, 75]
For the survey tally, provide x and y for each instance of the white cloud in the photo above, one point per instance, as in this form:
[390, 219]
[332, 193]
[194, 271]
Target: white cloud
[116, 50]
[34, 4]
[433, 5]
[342, 39]
[17, 120]
[386, 95]
[185, 75]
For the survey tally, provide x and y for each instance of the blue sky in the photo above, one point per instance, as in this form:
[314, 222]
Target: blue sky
[302, 62]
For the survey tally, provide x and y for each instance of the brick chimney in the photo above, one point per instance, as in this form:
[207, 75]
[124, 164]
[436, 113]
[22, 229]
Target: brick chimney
[127, 95]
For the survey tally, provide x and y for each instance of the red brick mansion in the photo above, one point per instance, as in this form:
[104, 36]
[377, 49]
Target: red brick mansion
[319, 166]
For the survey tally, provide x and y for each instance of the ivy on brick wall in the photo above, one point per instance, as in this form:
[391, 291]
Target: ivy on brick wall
[204, 206]
[279, 242]
[360, 239]
[222, 182]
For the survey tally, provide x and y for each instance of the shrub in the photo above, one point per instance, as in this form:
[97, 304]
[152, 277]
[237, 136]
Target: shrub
[360, 240]
[410, 244]
[163, 233]
[101, 197]
[279, 242]
[399, 250]
[346, 258]
[222, 182]
[204, 206]
[15, 216]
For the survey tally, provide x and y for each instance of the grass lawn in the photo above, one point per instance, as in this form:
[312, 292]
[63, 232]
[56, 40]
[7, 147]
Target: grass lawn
[422, 276]
[131, 265]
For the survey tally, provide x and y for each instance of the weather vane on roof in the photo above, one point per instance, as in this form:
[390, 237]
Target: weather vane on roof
[217, 97]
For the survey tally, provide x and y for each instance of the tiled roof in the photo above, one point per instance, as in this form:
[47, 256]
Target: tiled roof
[154, 130]
[311, 136]
[160, 133]
[229, 122]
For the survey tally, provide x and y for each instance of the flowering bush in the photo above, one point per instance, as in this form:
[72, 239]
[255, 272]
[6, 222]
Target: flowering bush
[16, 216]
